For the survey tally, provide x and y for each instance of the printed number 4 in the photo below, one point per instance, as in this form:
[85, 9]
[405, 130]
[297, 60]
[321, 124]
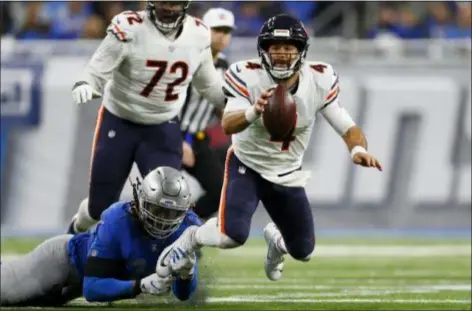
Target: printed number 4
[286, 141]
[161, 66]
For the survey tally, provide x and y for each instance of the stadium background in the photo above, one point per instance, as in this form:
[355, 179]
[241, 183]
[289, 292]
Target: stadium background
[405, 77]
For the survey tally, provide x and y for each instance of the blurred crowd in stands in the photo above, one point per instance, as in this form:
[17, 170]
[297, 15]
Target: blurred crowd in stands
[405, 20]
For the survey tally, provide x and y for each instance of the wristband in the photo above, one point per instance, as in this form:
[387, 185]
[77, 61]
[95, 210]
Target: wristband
[357, 149]
[251, 115]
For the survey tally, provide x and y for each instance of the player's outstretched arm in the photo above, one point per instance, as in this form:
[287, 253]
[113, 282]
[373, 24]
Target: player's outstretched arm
[104, 262]
[108, 56]
[239, 113]
[352, 135]
[357, 145]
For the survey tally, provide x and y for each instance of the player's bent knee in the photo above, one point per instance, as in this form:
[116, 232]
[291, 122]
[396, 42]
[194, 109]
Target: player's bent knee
[302, 251]
[227, 242]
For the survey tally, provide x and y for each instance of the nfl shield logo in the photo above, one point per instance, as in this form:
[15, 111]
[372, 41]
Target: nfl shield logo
[171, 48]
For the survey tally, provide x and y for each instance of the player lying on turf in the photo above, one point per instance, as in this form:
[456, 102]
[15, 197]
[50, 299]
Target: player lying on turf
[259, 168]
[115, 261]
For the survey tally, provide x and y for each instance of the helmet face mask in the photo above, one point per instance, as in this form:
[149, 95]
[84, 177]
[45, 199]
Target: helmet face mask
[163, 200]
[168, 15]
[282, 59]
[282, 46]
[158, 220]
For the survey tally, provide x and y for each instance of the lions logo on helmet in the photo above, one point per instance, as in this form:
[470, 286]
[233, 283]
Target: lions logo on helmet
[163, 199]
[167, 15]
[286, 29]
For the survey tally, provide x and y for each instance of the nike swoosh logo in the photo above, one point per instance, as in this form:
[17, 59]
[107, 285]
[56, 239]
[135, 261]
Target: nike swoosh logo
[238, 69]
[164, 258]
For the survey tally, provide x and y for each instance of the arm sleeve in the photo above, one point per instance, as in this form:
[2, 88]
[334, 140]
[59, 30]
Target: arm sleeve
[207, 81]
[106, 58]
[104, 261]
[338, 117]
[183, 289]
[107, 290]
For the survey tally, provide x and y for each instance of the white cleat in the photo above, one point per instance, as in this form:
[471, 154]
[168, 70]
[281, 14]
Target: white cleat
[274, 262]
[177, 256]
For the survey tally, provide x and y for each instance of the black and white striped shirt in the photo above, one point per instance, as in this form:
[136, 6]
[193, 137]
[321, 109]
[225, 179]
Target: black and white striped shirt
[197, 112]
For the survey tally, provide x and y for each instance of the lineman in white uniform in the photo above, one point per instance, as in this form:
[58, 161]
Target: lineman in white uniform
[143, 67]
[259, 168]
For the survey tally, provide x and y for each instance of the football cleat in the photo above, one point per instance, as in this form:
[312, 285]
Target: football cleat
[274, 262]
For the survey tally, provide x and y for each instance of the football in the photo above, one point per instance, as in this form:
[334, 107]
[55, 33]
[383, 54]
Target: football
[280, 113]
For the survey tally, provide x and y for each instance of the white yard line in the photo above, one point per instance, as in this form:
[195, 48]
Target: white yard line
[258, 299]
[356, 289]
[365, 250]
[289, 299]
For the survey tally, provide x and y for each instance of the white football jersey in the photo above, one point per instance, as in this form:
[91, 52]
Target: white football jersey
[278, 161]
[144, 75]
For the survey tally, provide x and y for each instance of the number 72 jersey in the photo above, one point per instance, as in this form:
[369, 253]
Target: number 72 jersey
[144, 75]
[278, 161]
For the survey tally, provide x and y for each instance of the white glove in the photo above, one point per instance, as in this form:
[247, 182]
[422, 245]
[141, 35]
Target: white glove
[185, 272]
[155, 285]
[176, 262]
[83, 92]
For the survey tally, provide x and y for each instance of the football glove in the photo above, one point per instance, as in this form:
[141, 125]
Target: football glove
[82, 92]
[176, 262]
[155, 285]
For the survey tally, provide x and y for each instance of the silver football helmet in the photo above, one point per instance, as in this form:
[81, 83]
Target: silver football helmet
[164, 198]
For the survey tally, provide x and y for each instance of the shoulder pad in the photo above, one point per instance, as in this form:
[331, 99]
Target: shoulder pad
[327, 80]
[237, 79]
[324, 74]
[200, 31]
[123, 26]
[115, 211]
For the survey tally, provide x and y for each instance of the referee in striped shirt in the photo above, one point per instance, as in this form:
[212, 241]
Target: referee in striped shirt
[199, 160]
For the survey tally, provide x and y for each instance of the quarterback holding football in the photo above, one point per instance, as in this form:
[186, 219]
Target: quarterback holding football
[261, 167]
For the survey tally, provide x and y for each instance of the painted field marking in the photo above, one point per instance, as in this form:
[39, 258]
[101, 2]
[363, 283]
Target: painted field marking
[257, 299]
[364, 250]
[410, 288]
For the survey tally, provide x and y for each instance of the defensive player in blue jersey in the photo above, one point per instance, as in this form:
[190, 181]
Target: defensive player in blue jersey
[117, 260]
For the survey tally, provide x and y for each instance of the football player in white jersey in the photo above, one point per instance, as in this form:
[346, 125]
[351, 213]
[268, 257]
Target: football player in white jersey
[143, 67]
[260, 169]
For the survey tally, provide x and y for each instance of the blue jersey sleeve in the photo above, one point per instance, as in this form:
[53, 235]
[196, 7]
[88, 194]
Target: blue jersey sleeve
[105, 241]
[103, 261]
[183, 289]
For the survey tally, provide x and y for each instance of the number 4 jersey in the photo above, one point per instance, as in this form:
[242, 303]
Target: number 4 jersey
[144, 75]
[278, 161]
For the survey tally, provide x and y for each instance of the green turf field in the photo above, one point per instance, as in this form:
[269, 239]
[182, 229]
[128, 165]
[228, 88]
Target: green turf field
[345, 274]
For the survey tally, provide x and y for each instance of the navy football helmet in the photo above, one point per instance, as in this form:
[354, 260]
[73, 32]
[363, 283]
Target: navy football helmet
[282, 28]
[167, 15]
